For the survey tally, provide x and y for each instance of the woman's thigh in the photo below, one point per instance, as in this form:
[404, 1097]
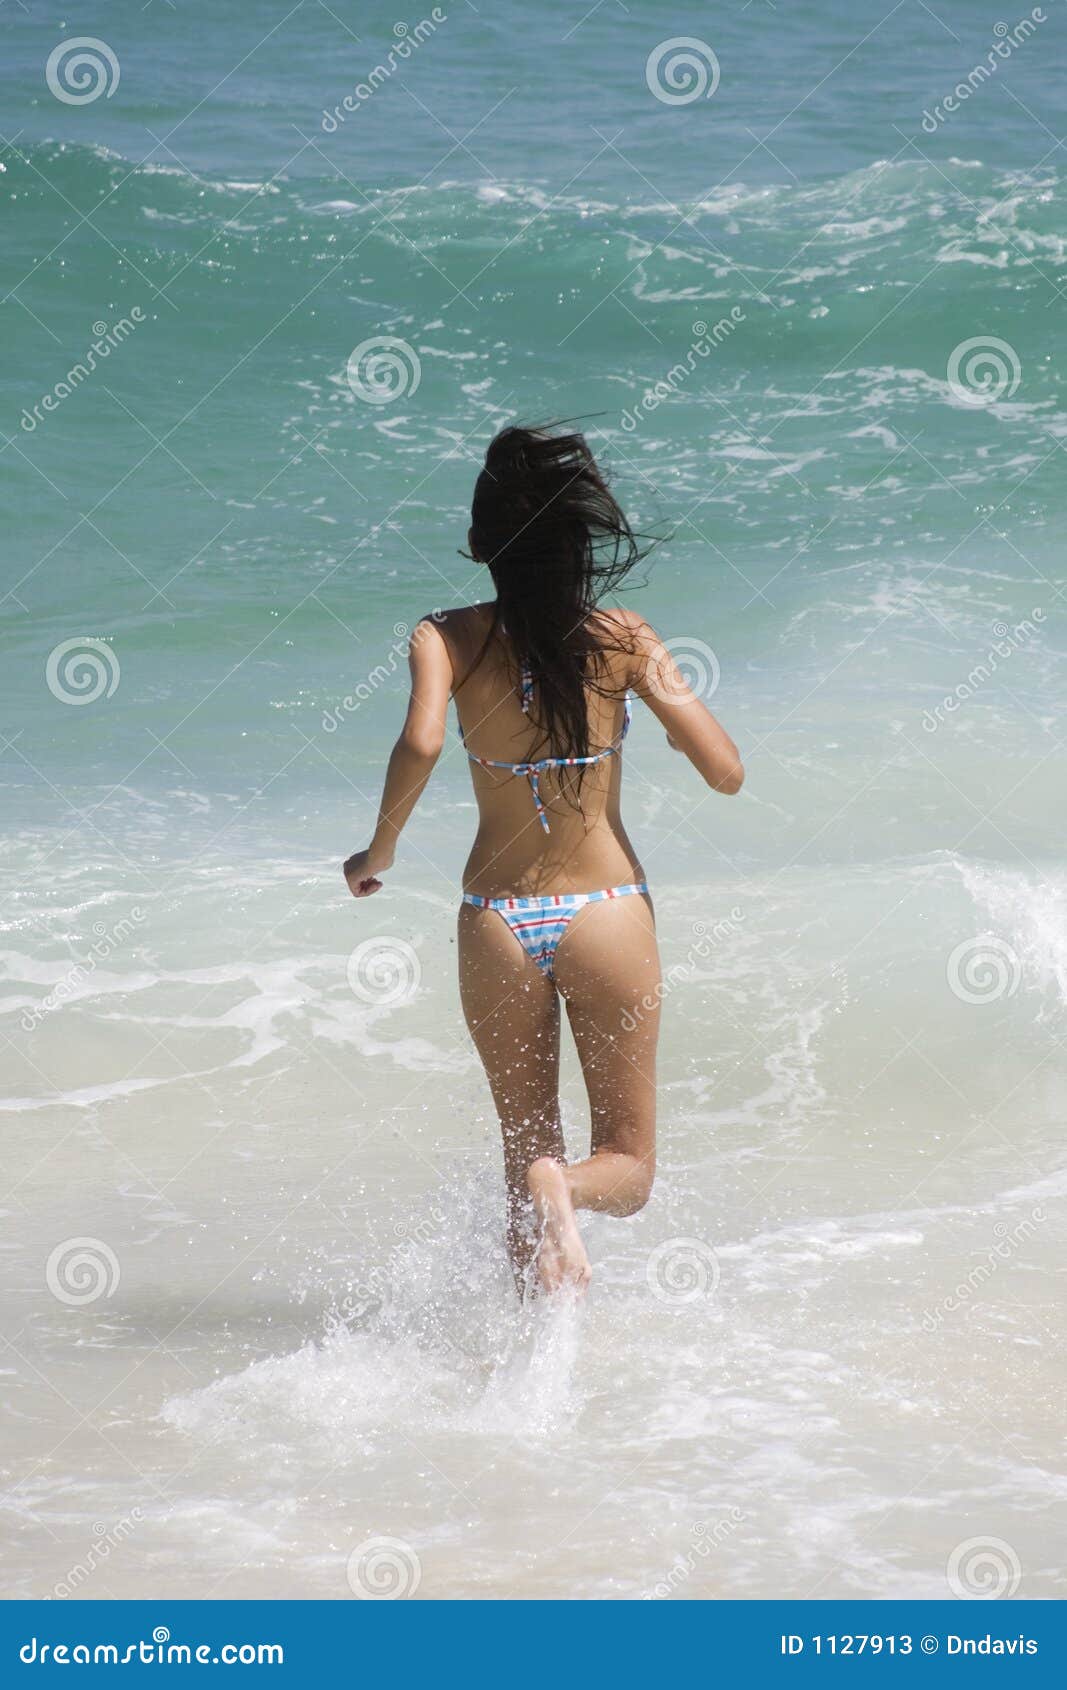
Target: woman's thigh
[512, 1012]
[607, 969]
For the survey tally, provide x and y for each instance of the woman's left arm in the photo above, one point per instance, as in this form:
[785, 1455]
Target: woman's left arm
[412, 758]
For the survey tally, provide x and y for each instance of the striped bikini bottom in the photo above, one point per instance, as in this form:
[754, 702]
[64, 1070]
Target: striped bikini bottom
[540, 923]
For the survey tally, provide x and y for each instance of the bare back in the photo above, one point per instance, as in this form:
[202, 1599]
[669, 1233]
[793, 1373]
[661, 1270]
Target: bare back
[513, 854]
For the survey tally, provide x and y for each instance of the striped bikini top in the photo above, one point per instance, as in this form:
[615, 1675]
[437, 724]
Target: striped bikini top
[532, 771]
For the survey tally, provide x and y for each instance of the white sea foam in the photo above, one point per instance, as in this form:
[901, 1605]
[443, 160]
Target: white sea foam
[1030, 912]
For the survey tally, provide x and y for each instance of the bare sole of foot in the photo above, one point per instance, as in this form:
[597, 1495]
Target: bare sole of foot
[561, 1257]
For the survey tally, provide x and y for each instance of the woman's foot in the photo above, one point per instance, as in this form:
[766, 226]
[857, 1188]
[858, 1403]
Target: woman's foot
[561, 1257]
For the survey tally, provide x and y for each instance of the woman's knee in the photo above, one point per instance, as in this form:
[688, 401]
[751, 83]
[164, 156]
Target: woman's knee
[637, 1188]
[647, 1180]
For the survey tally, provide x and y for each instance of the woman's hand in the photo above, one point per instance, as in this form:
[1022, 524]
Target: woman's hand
[361, 871]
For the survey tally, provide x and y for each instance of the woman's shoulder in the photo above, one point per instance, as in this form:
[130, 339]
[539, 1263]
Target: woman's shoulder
[454, 628]
[616, 621]
[459, 632]
[624, 632]
[627, 638]
[462, 620]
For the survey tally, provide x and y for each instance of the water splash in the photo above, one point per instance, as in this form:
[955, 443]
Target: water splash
[426, 1336]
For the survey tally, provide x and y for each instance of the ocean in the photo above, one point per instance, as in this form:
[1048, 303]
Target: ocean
[273, 276]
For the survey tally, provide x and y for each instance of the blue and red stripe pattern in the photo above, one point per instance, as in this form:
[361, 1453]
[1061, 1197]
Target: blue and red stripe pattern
[540, 923]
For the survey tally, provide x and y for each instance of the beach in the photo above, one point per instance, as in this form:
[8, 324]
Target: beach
[257, 1312]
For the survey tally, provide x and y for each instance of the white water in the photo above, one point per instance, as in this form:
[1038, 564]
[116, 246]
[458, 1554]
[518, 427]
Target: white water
[314, 1343]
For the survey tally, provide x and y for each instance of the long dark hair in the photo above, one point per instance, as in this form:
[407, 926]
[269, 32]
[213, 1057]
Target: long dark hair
[555, 542]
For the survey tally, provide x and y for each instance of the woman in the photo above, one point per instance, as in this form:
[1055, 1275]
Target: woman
[555, 903]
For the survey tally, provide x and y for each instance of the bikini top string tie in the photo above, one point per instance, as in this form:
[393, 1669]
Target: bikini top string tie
[532, 771]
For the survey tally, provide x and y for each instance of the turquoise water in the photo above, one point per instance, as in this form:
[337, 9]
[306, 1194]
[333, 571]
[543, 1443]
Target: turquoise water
[849, 313]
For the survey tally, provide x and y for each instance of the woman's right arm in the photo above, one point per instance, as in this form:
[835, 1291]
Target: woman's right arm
[690, 725]
[412, 758]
